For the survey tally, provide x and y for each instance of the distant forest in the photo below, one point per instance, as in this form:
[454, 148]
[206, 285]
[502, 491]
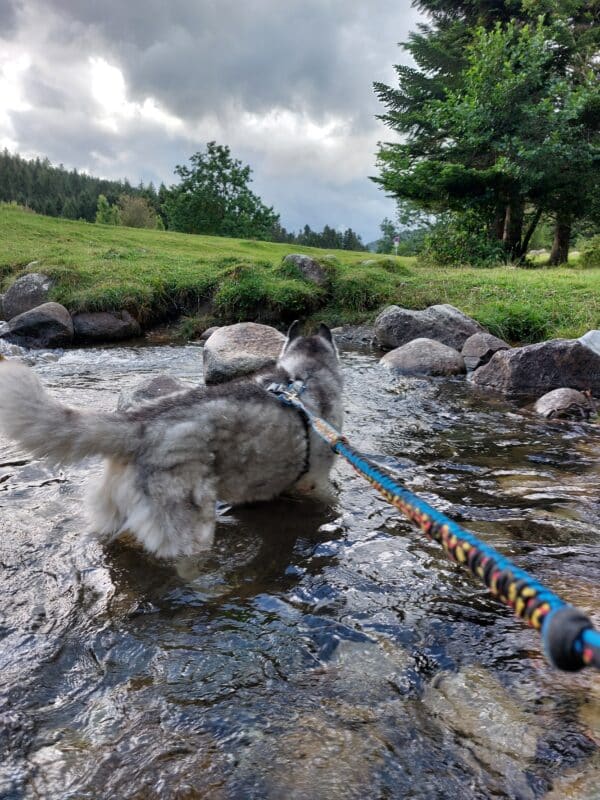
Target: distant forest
[58, 192]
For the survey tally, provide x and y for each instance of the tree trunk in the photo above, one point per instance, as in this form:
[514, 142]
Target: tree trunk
[513, 228]
[562, 236]
[498, 223]
[530, 231]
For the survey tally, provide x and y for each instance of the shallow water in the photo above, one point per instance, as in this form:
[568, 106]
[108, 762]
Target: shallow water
[317, 653]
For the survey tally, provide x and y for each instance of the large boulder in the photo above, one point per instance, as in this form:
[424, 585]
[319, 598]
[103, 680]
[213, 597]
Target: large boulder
[150, 389]
[424, 357]
[591, 339]
[396, 326]
[48, 325]
[308, 268]
[105, 326]
[479, 348]
[538, 368]
[241, 349]
[27, 292]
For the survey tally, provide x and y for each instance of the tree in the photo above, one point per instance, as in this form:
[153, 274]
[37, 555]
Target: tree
[388, 232]
[106, 214]
[213, 197]
[497, 117]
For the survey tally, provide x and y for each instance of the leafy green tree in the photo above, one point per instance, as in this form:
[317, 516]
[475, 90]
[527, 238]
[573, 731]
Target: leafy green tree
[499, 117]
[106, 214]
[214, 197]
[388, 232]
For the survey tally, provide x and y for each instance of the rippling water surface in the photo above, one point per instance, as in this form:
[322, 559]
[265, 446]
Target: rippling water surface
[317, 653]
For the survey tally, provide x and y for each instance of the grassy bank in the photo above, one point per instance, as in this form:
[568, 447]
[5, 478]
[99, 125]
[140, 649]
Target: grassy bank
[157, 275]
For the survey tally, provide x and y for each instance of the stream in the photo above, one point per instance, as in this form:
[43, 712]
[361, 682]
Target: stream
[316, 652]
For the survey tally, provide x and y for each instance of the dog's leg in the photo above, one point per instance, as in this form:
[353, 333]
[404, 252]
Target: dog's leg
[109, 499]
[177, 514]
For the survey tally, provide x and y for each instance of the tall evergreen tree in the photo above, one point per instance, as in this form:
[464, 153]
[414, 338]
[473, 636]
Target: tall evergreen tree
[437, 166]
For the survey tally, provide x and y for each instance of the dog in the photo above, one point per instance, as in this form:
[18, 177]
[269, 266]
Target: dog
[169, 460]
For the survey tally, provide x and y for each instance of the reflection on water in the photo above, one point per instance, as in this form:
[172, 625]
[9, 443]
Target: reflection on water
[314, 653]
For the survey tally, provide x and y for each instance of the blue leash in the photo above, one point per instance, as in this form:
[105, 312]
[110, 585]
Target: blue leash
[569, 638]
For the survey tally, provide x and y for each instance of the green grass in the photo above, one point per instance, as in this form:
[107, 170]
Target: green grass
[159, 275]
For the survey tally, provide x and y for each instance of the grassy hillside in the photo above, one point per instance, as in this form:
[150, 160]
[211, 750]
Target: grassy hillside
[157, 275]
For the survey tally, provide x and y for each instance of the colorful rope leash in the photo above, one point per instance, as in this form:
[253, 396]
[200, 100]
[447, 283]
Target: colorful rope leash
[569, 638]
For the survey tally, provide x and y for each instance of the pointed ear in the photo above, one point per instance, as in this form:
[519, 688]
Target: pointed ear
[325, 333]
[293, 331]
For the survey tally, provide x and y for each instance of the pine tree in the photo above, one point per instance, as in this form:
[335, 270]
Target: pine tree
[440, 171]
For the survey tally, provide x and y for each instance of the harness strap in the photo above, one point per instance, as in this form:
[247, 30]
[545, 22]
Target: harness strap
[296, 388]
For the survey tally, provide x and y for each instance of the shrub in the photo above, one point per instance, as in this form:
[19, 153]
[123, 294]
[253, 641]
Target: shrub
[136, 212]
[461, 240]
[590, 253]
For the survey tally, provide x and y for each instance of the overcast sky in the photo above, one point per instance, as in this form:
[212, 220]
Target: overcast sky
[125, 88]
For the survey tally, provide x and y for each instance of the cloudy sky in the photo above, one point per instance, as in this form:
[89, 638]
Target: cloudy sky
[129, 89]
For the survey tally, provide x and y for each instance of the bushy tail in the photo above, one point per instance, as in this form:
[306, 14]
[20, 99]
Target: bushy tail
[45, 427]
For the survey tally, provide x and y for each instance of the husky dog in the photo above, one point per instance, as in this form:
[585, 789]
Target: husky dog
[168, 461]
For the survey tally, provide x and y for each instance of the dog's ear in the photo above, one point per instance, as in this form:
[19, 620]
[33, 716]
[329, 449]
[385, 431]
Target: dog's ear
[293, 331]
[325, 333]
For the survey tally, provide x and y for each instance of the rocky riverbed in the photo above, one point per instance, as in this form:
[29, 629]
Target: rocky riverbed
[318, 652]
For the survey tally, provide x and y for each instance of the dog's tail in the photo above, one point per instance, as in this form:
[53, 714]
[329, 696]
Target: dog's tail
[45, 427]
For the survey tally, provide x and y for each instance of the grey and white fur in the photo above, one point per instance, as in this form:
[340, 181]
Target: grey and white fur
[168, 460]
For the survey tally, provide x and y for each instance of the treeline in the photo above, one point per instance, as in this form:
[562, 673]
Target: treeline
[58, 192]
[212, 197]
[327, 239]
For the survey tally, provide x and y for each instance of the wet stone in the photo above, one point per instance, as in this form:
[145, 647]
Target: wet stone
[236, 350]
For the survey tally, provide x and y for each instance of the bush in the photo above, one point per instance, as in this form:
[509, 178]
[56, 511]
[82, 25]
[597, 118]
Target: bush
[461, 241]
[590, 253]
[136, 212]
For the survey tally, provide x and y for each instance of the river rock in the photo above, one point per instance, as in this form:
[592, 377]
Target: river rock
[240, 349]
[151, 389]
[48, 325]
[105, 326]
[591, 339]
[538, 368]
[208, 333]
[2, 317]
[564, 404]
[353, 335]
[483, 717]
[479, 348]
[27, 292]
[396, 326]
[424, 357]
[309, 269]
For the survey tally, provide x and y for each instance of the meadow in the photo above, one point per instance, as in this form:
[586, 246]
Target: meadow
[160, 276]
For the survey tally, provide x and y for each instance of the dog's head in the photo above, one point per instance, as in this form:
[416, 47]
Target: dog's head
[303, 355]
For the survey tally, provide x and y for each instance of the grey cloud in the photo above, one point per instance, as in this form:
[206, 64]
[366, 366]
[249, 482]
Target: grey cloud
[210, 63]
[193, 56]
[9, 10]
